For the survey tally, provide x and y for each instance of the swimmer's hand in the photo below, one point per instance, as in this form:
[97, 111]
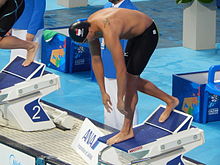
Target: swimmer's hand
[107, 102]
[121, 107]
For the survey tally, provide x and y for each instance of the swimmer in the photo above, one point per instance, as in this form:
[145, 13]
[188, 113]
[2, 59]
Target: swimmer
[10, 11]
[141, 32]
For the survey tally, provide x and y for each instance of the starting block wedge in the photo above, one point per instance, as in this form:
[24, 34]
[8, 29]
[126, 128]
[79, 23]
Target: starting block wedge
[159, 143]
[21, 90]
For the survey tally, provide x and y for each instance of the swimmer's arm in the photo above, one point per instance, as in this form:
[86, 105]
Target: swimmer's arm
[113, 43]
[97, 65]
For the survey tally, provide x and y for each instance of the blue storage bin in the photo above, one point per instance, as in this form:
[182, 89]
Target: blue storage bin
[59, 52]
[80, 57]
[189, 88]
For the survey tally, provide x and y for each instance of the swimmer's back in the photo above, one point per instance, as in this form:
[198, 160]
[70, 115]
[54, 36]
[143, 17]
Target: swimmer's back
[129, 23]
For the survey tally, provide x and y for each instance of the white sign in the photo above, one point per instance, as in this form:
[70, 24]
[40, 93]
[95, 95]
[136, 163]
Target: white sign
[10, 156]
[86, 144]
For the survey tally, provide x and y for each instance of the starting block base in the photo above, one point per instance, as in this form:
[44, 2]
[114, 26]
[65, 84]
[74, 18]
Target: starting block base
[21, 90]
[160, 143]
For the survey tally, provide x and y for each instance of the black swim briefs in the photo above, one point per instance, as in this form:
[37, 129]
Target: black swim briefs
[9, 14]
[139, 50]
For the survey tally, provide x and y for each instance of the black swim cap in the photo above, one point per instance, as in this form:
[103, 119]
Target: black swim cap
[79, 30]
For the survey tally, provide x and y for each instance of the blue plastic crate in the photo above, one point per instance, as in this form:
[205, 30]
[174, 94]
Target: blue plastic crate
[80, 59]
[189, 89]
[59, 52]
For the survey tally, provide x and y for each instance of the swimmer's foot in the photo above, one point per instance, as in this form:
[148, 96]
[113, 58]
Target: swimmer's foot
[121, 136]
[169, 108]
[30, 54]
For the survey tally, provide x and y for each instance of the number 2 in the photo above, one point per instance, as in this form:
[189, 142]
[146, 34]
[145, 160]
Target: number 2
[37, 109]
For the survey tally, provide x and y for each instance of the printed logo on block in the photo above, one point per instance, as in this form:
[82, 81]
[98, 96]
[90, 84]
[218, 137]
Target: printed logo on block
[90, 138]
[136, 149]
[86, 144]
[36, 112]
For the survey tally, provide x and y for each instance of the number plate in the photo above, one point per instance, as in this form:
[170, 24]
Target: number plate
[36, 112]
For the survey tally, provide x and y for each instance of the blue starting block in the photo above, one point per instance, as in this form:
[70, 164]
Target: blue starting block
[160, 143]
[21, 89]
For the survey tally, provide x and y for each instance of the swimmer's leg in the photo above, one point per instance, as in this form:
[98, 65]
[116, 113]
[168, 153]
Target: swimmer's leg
[11, 42]
[149, 88]
[131, 99]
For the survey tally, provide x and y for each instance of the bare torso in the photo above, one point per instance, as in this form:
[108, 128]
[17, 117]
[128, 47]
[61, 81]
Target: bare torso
[124, 23]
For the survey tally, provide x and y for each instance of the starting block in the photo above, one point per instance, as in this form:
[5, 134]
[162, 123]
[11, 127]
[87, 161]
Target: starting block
[160, 143]
[21, 90]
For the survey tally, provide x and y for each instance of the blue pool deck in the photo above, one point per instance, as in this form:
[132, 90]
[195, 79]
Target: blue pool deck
[81, 95]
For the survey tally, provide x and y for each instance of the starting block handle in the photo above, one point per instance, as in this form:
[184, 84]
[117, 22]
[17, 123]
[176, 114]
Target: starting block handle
[140, 160]
[100, 160]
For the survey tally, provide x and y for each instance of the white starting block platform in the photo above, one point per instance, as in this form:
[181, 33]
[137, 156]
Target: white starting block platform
[158, 143]
[21, 90]
[53, 147]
